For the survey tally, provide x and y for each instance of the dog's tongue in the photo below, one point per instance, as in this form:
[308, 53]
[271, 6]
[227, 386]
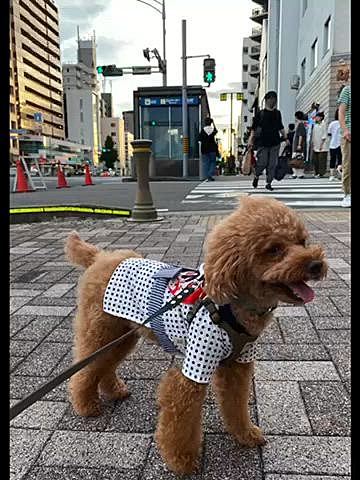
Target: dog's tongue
[303, 291]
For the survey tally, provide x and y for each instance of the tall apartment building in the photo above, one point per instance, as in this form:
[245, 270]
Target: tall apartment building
[82, 98]
[35, 69]
[250, 73]
[128, 117]
[106, 105]
[304, 44]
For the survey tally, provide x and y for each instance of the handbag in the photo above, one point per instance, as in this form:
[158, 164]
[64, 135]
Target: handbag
[247, 163]
[297, 160]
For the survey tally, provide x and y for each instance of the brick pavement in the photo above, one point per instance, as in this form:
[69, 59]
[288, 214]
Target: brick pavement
[301, 389]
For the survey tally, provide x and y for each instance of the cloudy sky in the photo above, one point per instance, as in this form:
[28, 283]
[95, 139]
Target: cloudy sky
[125, 27]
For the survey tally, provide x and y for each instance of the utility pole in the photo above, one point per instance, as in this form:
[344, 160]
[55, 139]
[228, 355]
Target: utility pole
[231, 121]
[184, 104]
[164, 44]
[163, 16]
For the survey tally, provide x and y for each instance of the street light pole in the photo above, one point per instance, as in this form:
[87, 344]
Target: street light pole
[231, 121]
[184, 104]
[164, 44]
[163, 15]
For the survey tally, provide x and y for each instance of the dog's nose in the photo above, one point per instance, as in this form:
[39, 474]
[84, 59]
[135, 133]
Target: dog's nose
[315, 267]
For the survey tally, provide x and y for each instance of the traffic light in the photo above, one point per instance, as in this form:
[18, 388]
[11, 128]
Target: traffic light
[209, 70]
[109, 71]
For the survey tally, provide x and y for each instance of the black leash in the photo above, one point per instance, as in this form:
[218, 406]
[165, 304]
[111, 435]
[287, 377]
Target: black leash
[19, 407]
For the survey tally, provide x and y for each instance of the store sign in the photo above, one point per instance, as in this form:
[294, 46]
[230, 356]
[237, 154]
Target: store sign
[164, 101]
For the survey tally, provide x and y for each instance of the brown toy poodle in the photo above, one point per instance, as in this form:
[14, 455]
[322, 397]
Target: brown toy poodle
[255, 258]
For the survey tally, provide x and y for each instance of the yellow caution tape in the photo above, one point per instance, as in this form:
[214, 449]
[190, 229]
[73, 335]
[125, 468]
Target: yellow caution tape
[106, 211]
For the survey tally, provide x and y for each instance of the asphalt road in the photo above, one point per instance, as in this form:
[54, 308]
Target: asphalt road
[107, 192]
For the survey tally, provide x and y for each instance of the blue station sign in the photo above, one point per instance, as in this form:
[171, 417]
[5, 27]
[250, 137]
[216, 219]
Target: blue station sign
[166, 101]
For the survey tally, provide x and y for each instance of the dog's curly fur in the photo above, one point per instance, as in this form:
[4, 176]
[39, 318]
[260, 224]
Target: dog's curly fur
[250, 258]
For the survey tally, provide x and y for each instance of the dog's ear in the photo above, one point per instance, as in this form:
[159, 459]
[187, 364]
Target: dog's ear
[225, 264]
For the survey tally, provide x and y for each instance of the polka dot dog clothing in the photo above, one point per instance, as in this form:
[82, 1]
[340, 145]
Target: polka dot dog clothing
[139, 287]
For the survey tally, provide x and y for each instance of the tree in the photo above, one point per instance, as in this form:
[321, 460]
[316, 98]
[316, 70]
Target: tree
[109, 155]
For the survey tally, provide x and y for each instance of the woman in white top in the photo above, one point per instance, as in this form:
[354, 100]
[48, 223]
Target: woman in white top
[335, 148]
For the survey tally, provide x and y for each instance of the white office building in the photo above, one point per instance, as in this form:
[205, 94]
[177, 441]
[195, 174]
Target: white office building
[304, 43]
[250, 73]
[82, 98]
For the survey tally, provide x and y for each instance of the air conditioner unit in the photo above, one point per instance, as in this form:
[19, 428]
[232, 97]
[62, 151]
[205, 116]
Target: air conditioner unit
[295, 82]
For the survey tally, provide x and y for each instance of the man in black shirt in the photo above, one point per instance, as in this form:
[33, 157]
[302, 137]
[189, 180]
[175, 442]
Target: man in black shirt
[265, 138]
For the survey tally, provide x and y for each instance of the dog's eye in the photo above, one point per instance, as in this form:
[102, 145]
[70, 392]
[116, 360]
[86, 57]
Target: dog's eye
[303, 242]
[275, 250]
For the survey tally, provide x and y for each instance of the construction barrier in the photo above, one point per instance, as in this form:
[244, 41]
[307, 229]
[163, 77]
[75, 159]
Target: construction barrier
[20, 183]
[88, 179]
[62, 183]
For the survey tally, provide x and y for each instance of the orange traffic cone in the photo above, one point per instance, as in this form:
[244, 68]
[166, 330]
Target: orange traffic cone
[21, 180]
[88, 179]
[62, 183]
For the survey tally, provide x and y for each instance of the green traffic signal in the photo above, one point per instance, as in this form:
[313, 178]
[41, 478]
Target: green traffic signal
[100, 69]
[209, 77]
[153, 123]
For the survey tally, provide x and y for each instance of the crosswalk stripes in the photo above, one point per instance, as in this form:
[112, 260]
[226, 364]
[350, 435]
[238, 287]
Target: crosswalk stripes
[296, 193]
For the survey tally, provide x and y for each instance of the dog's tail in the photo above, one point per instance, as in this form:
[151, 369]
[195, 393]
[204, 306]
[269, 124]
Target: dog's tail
[79, 252]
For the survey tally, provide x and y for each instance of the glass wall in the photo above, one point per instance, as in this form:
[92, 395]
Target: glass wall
[163, 125]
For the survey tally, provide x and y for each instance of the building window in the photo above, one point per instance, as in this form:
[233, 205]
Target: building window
[327, 31]
[314, 55]
[68, 80]
[81, 117]
[245, 68]
[245, 49]
[81, 103]
[12, 108]
[67, 70]
[304, 6]
[245, 85]
[13, 125]
[113, 124]
[303, 72]
[245, 119]
[113, 134]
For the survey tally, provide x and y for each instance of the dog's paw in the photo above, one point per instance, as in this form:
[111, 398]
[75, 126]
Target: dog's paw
[89, 409]
[115, 391]
[184, 464]
[251, 437]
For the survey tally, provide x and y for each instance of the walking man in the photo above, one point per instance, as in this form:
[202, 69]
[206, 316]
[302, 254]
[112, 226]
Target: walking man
[345, 124]
[265, 139]
[209, 148]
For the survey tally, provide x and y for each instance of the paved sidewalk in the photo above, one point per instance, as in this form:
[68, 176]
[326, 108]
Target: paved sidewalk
[301, 388]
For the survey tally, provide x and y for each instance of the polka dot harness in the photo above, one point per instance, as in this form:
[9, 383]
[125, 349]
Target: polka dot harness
[204, 337]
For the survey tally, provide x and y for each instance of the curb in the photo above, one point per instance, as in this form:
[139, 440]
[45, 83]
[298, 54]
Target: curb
[45, 213]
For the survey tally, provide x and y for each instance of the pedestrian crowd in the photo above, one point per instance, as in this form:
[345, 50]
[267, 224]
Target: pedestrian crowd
[304, 146]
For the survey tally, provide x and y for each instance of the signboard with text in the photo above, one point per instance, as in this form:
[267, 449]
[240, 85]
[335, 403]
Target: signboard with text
[166, 101]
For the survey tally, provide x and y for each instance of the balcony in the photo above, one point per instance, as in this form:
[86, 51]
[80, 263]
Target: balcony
[254, 53]
[254, 71]
[258, 15]
[256, 34]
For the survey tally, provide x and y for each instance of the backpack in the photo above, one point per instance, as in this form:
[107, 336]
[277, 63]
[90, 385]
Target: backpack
[258, 131]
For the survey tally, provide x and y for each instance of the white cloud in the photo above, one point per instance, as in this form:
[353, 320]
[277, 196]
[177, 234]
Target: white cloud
[124, 27]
